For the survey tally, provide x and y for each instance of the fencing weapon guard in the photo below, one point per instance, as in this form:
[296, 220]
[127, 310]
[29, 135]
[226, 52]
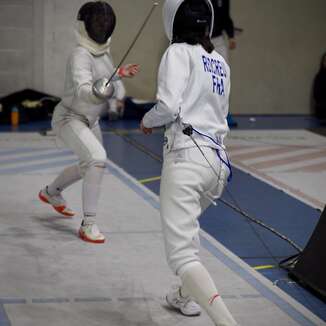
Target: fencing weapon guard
[102, 89]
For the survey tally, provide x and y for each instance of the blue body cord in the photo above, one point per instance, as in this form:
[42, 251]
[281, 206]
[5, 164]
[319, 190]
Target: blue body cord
[227, 163]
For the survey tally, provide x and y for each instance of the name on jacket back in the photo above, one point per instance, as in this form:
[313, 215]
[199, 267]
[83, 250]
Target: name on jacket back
[218, 72]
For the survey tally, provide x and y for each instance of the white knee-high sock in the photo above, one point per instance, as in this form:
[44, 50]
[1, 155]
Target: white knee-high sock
[197, 283]
[66, 178]
[91, 191]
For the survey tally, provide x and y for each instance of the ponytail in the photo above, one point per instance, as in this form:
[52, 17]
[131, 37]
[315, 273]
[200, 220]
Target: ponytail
[194, 39]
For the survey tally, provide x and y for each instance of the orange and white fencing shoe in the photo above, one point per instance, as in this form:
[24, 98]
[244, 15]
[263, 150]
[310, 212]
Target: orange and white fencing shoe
[90, 232]
[57, 202]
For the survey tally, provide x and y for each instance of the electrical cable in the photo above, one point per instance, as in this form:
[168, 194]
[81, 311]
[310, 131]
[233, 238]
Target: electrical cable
[235, 207]
[289, 262]
[188, 130]
[259, 222]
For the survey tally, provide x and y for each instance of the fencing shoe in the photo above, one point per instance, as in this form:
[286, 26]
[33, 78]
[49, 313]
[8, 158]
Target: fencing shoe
[185, 305]
[90, 232]
[57, 201]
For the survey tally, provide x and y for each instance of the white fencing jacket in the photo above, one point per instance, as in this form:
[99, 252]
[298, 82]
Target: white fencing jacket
[78, 101]
[193, 88]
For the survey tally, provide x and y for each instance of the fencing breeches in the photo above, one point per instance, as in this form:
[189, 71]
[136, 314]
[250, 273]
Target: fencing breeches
[86, 143]
[188, 186]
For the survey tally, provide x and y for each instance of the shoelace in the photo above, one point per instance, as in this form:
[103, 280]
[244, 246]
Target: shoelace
[182, 300]
[93, 228]
[56, 198]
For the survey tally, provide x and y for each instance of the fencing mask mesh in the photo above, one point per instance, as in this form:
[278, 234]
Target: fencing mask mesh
[193, 16]
[99, 19]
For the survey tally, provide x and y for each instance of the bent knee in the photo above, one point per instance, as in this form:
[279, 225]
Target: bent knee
[177, 261]
[98, 158]
[178, 266]
[101, 164]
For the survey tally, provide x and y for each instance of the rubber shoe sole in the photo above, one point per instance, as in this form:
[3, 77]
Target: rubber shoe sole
[59, 209]
[85, 238]
[179, 309]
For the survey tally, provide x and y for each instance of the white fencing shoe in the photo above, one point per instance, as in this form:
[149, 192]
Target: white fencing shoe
[185, 305]
[90, 232]
[57, 202]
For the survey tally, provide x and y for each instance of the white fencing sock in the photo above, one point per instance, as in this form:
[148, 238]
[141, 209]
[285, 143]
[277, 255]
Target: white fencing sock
[197, 283]
[65, 179]
[91, 191]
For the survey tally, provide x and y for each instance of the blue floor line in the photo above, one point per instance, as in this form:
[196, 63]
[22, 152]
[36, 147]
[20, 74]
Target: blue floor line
[13, 301]
[149, 199]
[37, 167]
[4, 320]
[261, 288]
[14, 151]
[27, 159]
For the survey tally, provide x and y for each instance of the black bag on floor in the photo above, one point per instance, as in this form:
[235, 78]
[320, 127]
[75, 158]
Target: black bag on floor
[310, 268]
[32, 106]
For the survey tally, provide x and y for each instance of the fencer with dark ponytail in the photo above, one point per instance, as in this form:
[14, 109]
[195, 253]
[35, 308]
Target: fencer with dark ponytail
[192, 24]
[193, 91]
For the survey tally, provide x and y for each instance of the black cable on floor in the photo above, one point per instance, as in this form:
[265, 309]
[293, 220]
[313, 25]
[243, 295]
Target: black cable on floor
[235, 207]
[257, 221]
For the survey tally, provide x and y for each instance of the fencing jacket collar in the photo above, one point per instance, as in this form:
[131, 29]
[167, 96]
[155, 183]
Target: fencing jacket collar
[85, 41]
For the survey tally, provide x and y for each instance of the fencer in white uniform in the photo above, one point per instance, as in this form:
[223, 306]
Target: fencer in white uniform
[76, 118]
[193, 92]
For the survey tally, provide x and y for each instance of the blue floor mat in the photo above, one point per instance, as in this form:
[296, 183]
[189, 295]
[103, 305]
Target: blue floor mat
[276, 122]
[130, 158]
